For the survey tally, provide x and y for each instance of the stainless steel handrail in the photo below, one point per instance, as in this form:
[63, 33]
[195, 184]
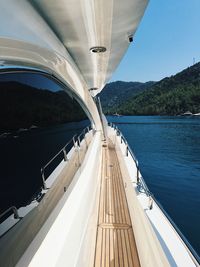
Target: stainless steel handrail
[76, 140]
[153, 199]
[15, 212]
[140, 181]
[63, 150]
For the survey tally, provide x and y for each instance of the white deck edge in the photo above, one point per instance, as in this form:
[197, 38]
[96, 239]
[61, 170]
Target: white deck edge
[67, 225]
[23, 211]
[175, 250]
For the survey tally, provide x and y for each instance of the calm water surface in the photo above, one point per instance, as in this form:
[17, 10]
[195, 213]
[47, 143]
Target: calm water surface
[168, 150]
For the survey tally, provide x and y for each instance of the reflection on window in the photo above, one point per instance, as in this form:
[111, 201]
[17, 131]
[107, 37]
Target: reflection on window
[31, 100]
[37, 118]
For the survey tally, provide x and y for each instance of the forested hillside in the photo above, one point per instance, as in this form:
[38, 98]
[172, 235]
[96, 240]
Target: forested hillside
[170, 96]
[116, 93]
[22, 106]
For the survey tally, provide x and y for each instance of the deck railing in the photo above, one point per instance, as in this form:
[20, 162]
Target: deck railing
[140, 181]
[141, 184]
[14, 211]
[74, 141]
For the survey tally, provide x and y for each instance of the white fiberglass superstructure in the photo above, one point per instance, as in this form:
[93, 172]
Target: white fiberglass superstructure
[96, 209]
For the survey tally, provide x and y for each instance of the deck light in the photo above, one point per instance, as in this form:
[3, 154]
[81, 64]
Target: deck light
[98, 49]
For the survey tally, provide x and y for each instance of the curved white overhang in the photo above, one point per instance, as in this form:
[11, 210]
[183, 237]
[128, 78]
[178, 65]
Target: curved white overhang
[83, 24]
[56, 36]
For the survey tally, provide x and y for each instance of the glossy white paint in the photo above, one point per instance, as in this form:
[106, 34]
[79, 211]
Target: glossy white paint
[11, 221]
[56, 36]
[61, 239]
[83, 24]
[23, 211]
[174, 248]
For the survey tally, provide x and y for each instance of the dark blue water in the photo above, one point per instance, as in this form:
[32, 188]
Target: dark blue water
[22, 154]
[168, 150]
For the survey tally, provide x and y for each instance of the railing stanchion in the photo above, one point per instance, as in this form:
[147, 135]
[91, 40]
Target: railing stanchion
[74, 141]
[65, 154]
[15, 211]
[93, 131]
[150, 202]
[127, 150]
[85, 139]
[43, 179]
[76, 144]
[79, 141]
[138, 179]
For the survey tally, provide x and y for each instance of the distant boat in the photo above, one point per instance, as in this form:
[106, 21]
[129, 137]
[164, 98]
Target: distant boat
[22, 130]
[118, 115]
[187, 113]
[4, 135]
[33, 127]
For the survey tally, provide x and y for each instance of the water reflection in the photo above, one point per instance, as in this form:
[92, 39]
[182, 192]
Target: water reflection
[35, 116]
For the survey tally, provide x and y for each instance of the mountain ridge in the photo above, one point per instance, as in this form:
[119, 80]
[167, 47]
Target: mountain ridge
[169, 96]
[114, 93]
[22, 106]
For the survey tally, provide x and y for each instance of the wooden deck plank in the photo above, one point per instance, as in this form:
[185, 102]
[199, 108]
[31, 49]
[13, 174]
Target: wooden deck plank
[101, 204]
[119, 241]
[112, 199]
[133, 250]
[107, 231]
[123, 219]
[120, 207]
[112, 264]
[103, 255]
[124, 248]
[116, 202]
[99, 248]
[115, 245]
[116, 248]
[128, 247]
[125, 212]
[109, 208]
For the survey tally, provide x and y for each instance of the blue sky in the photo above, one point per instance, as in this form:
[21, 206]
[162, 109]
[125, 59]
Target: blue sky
[167, 40]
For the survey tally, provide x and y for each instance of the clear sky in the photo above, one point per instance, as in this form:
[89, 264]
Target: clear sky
[167, 40]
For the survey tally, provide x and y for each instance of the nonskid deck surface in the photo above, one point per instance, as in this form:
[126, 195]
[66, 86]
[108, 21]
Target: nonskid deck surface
[115, 244]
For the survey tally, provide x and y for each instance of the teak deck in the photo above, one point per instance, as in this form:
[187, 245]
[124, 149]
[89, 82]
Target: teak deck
[115, 244]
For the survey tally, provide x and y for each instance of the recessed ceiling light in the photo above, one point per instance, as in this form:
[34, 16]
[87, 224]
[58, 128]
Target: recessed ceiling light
[98, 49]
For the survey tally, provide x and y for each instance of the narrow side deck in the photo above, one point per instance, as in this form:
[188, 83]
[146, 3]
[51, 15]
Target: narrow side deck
[115, 244]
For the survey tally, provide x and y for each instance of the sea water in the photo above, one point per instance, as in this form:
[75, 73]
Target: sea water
[167, 148]
[168, 151]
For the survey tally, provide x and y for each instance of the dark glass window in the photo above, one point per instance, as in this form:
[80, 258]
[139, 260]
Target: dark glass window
[37, 118]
